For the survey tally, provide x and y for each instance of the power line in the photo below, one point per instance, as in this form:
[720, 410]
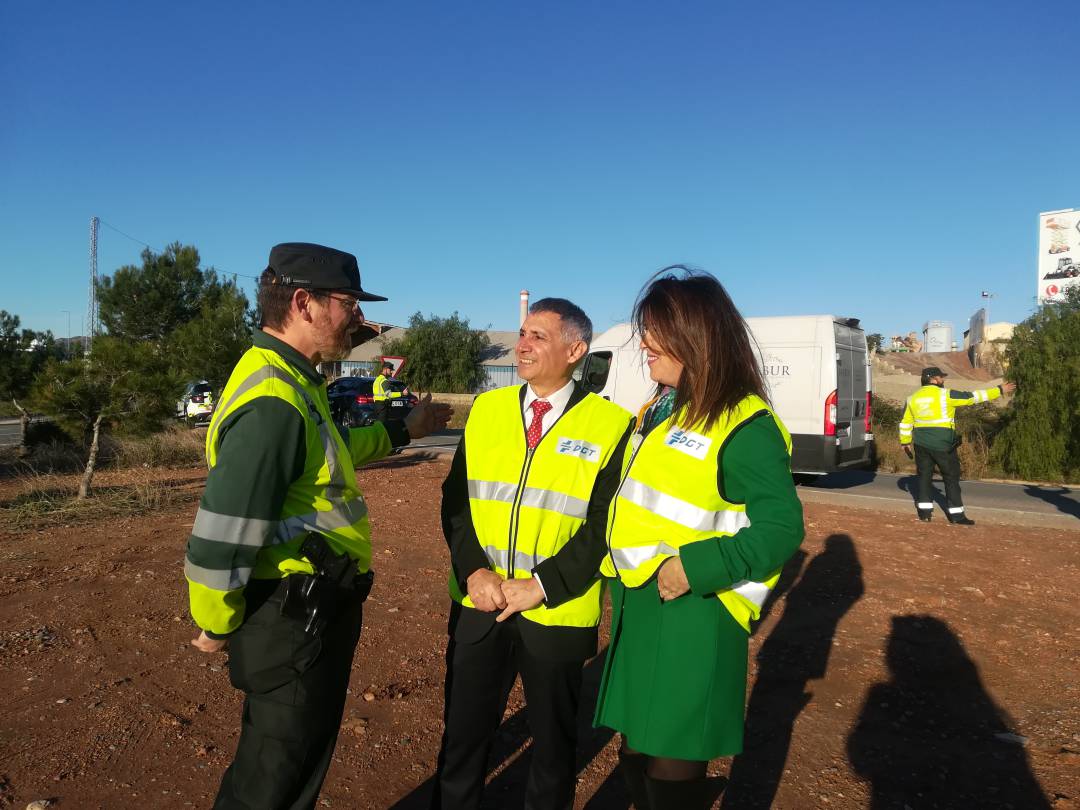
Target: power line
[159, 251]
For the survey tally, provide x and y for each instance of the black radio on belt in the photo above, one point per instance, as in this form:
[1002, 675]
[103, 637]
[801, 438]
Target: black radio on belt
[319, 597]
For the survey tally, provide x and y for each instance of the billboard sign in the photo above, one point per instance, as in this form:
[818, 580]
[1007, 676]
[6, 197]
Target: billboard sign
[1059, 254]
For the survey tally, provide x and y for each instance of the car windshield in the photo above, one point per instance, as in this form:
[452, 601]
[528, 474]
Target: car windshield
[351, 385]
[201, 388]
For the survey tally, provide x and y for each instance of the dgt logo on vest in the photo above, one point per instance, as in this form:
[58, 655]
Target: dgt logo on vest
[686, 441]
[578, 447]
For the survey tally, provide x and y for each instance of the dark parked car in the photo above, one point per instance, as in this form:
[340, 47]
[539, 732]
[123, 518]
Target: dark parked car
[353, 405]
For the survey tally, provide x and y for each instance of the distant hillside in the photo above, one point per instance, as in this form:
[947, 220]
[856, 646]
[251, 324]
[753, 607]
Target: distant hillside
[896, 374]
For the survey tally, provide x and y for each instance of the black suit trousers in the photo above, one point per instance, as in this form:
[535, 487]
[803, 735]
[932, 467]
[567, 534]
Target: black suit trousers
[479, 675]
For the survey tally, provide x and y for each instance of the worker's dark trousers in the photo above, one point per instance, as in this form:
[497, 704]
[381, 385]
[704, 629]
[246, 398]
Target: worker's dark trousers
[294, 689]
[478, 681]
[949, 463]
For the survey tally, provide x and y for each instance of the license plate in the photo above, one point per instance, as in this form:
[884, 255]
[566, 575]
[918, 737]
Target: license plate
[396, 403]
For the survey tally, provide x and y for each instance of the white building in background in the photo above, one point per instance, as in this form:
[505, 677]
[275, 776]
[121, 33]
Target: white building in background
[937, 336]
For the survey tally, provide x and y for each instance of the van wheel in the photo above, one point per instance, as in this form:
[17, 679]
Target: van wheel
[805, 479]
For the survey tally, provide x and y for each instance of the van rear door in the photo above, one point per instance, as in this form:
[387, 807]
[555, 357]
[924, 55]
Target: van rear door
[852, 384]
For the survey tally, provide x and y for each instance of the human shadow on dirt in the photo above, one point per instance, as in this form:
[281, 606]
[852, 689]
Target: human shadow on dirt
[1056, 497]
[795, 652]
[932, 736]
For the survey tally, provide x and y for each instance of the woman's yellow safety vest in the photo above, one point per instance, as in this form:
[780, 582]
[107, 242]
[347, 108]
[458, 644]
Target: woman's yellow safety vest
[668, 497]
[526, 504]
[326, 497]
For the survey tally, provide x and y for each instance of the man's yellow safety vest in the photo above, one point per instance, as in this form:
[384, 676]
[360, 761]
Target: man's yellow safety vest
[325, 498]
[526, 504]
[668, 497]
[934, 406]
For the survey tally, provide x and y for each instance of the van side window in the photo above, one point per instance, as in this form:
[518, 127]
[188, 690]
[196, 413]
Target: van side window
[594, 371]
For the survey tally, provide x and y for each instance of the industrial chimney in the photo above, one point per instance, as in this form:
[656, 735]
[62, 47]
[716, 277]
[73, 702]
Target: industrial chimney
[523, 312]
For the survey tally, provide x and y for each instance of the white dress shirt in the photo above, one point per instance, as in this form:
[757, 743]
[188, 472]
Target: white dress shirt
[558, 400]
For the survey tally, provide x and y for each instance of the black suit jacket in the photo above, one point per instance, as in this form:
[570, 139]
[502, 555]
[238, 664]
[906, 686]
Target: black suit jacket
[468, 625]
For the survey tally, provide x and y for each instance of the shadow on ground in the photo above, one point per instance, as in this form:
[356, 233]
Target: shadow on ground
[796, 652]
[932, 736]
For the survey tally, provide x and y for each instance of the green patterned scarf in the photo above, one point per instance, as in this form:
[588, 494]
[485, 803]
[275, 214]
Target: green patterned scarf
[659, 411]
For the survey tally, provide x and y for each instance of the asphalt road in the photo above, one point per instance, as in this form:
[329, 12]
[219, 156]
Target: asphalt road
[1025, 504]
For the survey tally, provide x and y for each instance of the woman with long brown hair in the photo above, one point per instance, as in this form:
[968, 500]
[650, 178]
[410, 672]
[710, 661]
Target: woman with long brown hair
[704, 517]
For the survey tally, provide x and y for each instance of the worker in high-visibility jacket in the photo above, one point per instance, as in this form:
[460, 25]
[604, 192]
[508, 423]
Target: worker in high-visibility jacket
[700, 524]
[929, 424]
[523, 484]
[278, 561]
[382, 393]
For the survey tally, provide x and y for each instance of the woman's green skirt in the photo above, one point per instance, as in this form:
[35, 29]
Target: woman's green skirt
[674, 680]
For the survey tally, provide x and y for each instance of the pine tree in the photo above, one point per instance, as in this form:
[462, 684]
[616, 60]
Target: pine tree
[1041, 439]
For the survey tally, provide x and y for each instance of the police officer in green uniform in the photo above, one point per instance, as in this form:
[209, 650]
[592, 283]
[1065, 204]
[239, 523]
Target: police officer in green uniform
[278, 561]
[520, 487]
[382, 394]
[929, 422]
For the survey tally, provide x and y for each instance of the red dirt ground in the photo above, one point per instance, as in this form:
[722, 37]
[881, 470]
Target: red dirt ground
[900, 665]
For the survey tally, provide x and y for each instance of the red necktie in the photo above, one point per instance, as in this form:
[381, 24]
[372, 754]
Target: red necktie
[536, 429]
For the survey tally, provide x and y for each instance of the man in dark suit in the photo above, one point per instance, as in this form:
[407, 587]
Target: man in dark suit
[541, 463]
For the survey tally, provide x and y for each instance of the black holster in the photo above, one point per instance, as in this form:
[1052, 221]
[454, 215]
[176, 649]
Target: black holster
[318, 598]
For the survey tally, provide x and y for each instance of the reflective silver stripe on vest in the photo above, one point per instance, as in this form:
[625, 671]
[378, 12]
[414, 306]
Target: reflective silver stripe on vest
[500, 558]
[343, 515]
[532, 496]
[492, 491]
[725, 521]
[756, 592]
[629, 559]
[239, 531]
[217, 580]
[555, 502]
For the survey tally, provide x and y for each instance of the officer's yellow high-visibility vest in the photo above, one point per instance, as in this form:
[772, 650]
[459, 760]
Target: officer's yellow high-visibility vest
[379, 392]
[668, 498]
[325, 498]
[934, 406]
[526, 504]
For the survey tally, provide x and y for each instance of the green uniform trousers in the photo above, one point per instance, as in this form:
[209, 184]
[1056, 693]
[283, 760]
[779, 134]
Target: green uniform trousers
[294, 687]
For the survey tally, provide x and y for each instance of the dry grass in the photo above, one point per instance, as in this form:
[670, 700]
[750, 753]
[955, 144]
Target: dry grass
[43, 502]
[176, 446]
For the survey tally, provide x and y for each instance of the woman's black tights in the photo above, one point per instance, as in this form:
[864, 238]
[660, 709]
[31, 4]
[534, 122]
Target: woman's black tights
[659, 783]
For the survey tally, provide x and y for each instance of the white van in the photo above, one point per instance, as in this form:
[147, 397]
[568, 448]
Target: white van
[817, 368]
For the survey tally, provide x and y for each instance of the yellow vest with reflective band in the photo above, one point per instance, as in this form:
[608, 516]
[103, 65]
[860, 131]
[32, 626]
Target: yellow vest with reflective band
[325, 498]
[668, 498]
[932, 406]
[526, 504]
[379, 394]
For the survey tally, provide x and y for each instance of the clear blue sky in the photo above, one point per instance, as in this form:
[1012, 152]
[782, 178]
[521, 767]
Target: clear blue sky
[856, 159]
